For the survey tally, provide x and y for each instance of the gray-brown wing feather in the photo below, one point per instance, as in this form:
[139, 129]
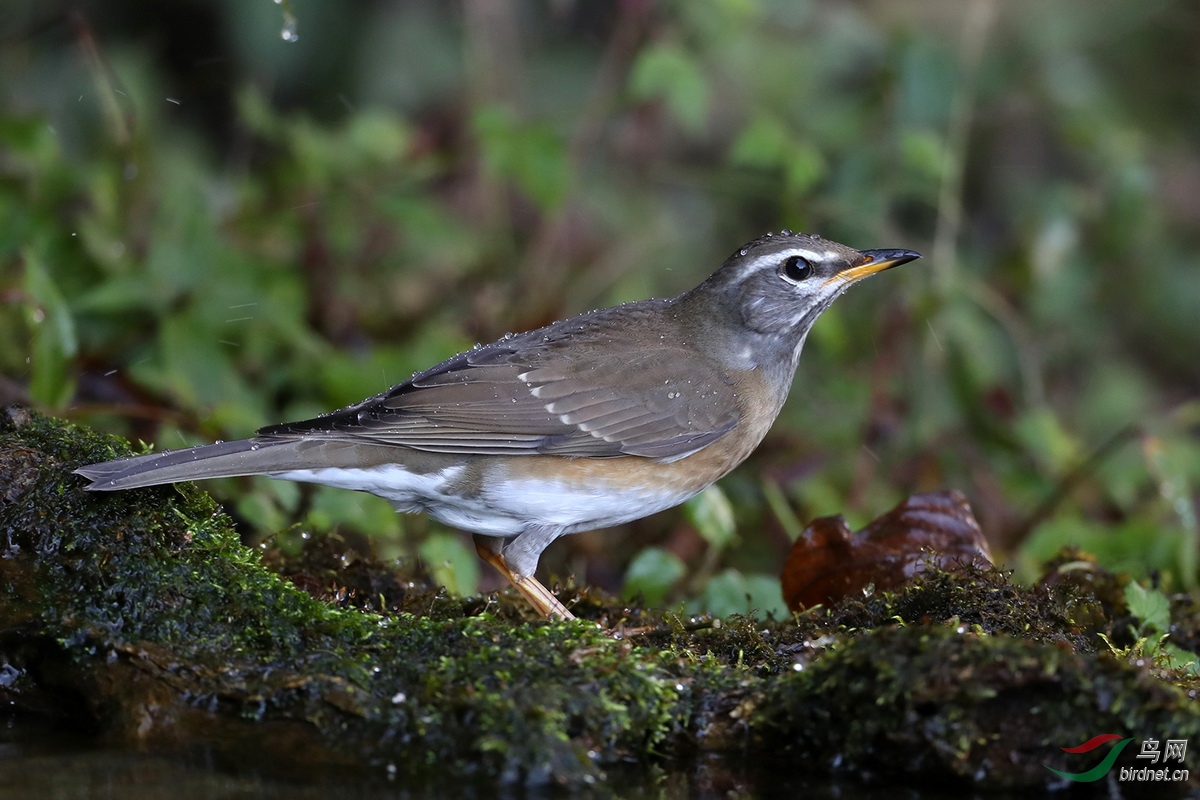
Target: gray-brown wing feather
[587, 387]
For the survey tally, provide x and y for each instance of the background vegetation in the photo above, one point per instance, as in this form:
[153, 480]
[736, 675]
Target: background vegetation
[218, 215]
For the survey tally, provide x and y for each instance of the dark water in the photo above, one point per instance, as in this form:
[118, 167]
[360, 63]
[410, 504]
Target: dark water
[37, 761]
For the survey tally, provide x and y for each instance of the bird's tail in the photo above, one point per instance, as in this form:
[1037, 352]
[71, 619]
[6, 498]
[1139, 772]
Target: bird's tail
[258, 456]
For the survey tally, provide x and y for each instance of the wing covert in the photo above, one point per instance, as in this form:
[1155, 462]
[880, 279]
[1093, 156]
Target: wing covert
[551, 392]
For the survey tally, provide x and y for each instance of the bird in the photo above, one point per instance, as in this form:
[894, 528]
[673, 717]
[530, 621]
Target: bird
[589, 422]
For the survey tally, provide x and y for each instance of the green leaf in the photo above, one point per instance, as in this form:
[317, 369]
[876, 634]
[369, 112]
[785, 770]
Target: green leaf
[652, 574]
[29, 135]
[263, 509]
[256, 113]
[1045, 437]
[711, 513]
[377, 138]
[765, 142]
[665, 71]
[119, 294]
[53, 334]
[731, 592]
[196, 365]
[1182, 659]
[452, 564]
[805, 166]
[532, 156]
[359, 511]
[1150, 606]
[762, 143]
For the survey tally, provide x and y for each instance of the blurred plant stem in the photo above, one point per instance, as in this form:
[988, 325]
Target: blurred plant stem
[978, 21]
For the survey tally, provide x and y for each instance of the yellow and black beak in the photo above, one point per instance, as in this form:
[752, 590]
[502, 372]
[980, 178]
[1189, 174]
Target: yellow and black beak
[873, 261]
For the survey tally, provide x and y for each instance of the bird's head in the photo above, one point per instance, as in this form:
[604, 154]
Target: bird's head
[774, 288]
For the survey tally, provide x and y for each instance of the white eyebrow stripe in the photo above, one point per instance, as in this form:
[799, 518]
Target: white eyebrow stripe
[770, 260]
[811, 255]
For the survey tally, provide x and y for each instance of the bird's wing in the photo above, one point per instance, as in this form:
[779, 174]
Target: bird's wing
[581, 388]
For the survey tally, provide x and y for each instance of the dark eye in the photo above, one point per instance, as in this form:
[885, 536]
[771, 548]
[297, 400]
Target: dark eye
[797, 268]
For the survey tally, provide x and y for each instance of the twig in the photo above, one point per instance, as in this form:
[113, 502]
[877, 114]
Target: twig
[1068, 483]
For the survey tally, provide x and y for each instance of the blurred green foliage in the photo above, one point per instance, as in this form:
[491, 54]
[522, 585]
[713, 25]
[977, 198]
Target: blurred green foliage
[205, 227]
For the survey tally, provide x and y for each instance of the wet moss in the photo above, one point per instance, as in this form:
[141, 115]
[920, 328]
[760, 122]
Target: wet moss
[950, 704]
[163, 564]
[141, 614]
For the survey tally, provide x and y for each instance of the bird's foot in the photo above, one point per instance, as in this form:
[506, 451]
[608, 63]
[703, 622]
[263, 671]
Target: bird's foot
[530, 587]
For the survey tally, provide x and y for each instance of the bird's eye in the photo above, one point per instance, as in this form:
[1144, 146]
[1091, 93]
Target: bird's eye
[797, 268]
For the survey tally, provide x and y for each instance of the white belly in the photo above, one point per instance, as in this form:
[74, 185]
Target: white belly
[540, 501]
[506, 506]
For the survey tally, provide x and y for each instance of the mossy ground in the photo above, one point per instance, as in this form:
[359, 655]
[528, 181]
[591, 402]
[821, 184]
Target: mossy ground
[143, 615]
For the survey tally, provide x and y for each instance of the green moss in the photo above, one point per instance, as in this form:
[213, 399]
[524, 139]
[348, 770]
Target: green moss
[163, 564]
[949, 703]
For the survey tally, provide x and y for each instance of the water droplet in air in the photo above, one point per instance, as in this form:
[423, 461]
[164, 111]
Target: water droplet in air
[288, 33]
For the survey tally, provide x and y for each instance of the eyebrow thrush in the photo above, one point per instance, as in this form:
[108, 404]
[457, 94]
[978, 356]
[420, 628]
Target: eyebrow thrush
[586, 423]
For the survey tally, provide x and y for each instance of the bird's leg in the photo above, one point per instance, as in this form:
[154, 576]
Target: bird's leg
[490, 549]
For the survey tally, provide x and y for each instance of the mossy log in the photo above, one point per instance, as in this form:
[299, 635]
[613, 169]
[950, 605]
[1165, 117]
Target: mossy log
[142, 616]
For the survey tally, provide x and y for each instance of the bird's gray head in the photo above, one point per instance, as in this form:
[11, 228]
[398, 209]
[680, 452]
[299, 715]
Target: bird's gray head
[775, 287]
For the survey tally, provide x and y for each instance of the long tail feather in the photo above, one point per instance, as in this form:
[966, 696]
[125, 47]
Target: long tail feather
[224, 460]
